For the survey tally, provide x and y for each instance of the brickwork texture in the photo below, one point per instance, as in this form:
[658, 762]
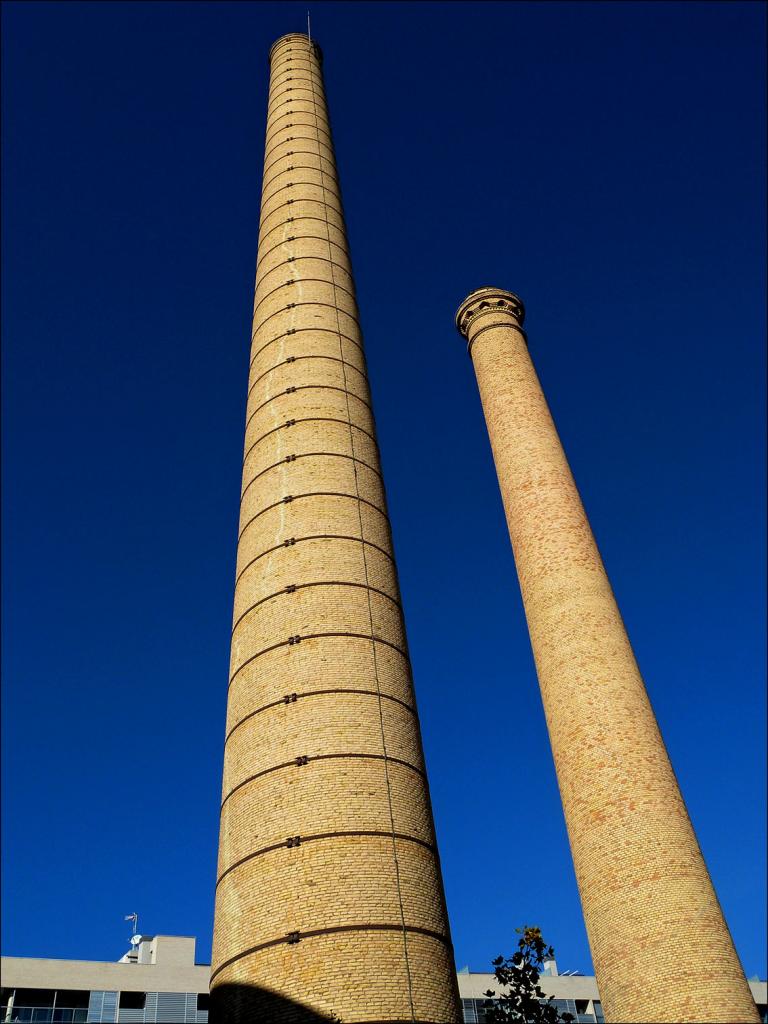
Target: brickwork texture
[329, 891]
[661, 948]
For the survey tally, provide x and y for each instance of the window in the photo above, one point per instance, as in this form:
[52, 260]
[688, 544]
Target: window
[583, 1013]
[203, 999]
[102, 1006]
[72, 998]
[567, 1006]
[474, 1011]
[133, 1000]
[34, 997]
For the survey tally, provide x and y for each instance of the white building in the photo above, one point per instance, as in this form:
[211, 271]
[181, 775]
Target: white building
[572, 993]
[159, 981]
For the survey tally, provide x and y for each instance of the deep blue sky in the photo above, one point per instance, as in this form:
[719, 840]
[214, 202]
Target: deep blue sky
[606, 162]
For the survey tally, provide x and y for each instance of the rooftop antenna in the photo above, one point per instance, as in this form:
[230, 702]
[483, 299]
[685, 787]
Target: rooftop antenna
[309, 31]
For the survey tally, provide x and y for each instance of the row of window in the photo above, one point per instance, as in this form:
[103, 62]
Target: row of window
[474, 1010]
[68, 1006]
[45, 1015]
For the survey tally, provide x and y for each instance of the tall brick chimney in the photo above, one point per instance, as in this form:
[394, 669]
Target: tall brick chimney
[644, 886]
[329, 896]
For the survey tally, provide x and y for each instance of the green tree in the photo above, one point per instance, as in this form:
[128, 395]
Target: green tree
[521, 999]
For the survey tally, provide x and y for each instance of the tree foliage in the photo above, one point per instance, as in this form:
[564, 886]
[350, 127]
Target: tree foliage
[521, 999]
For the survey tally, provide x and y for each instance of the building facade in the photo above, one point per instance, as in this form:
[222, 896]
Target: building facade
[159, 981]
[573, 993]
[328, 865]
